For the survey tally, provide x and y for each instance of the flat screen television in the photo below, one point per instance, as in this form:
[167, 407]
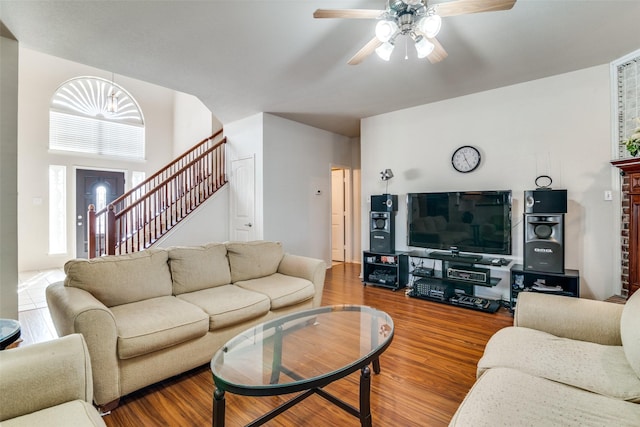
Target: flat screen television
[465, 221]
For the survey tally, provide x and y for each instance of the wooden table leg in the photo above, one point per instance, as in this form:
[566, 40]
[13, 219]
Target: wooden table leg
[218, 408]
[365, 397]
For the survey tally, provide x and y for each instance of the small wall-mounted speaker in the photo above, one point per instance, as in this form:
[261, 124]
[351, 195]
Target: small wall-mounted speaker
[545, 201]
[384, 203]
[544, 243]
[382, 234]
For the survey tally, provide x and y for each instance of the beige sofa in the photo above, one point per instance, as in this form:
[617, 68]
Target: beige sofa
[565, 362]
[47, 384]
[154, 314]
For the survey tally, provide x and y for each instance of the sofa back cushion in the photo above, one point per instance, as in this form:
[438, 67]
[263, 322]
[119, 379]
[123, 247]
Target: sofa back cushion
[121, 279]
[251, 260]
[195, 268]
[630, 331]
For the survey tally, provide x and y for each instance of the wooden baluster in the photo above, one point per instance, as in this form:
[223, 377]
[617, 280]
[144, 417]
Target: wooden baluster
[111, 231]
[91, 231]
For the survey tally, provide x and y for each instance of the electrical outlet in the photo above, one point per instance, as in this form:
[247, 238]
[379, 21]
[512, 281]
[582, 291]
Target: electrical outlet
[608, 195]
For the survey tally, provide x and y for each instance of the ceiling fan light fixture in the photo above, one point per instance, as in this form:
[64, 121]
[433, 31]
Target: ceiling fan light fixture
[384, 51]
[385, 30]
[430, 25]
[424, 47]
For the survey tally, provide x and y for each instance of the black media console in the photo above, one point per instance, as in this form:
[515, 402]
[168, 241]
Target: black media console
[454, 282]
[566, 284]
[390, 270]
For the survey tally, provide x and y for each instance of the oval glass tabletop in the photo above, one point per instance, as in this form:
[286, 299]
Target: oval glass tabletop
[302, 350]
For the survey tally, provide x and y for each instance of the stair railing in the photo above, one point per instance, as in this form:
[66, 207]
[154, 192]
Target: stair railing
[138, 218]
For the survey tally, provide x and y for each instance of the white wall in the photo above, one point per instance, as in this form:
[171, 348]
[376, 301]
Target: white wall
[297, 184]
[293, 162]
[9, 54]
[192, 122]
[209, 223]
[356, 206]
[558, 126]
[245, 140]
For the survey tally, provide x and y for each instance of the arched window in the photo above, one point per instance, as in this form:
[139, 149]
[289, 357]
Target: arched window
[91, 115]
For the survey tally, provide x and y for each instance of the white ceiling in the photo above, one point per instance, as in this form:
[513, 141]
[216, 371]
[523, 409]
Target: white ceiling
[241, 57]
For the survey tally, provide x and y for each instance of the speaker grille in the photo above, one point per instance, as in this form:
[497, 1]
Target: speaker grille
[544, 243]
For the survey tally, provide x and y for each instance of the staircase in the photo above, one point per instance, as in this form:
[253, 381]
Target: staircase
[138, 218]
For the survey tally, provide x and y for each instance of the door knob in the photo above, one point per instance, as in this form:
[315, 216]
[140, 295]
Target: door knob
[248, 225]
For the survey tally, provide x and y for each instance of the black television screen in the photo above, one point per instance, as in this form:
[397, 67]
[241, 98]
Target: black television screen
[466, 221]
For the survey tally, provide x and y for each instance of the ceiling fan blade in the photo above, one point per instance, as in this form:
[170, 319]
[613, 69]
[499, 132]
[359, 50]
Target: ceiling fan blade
[462, 7]
[348, 13]
[366, 50]
[438, 53]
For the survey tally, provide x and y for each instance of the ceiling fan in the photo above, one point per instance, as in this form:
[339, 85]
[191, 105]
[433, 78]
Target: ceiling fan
[418, 19]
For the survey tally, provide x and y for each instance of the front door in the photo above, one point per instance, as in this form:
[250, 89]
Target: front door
[98, 188]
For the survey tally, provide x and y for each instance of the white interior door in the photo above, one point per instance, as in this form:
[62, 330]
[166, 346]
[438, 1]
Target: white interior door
[243, 200]
[338, 215]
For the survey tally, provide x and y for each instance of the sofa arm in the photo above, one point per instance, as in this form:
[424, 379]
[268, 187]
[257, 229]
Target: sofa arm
[43, 375]
[575, 318]
[74, 310]
[311, 269]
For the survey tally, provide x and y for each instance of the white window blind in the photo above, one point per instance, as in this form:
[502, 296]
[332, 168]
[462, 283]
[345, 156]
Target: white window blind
[91, 135]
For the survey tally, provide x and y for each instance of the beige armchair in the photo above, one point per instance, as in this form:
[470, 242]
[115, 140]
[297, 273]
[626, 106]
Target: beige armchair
[48, 384]
[565, 362]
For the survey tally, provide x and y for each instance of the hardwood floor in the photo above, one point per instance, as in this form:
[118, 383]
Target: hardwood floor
[426, 372]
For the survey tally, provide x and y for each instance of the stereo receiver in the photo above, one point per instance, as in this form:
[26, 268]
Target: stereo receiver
[470, 274]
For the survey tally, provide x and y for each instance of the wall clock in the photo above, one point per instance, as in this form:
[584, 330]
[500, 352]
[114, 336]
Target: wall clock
[465, 159]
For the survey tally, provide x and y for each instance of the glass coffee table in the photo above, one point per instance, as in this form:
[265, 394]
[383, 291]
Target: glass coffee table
[301, 353]
[9, 332]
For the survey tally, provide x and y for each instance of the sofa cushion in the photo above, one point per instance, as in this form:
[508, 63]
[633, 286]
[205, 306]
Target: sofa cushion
[282, 290]
[198, 267]
[250, 260]
[630, 331]
[77, 413]
[157, 323]
[121, 279]
[228, 304]
[508, 397]
[602, 369]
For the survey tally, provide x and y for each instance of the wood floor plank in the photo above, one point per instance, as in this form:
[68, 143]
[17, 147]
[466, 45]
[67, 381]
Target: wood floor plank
[426, 372]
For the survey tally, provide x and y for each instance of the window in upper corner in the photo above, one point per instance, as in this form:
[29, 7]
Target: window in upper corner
[627, 90]
[95, 116]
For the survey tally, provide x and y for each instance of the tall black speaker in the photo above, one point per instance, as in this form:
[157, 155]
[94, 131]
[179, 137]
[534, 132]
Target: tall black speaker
[544, 242]
[382, 235]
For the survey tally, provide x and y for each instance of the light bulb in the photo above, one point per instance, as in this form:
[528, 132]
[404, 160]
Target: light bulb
[112, 103]
[384, 51]
[424, 47]
[430, 25]
[385, 30]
